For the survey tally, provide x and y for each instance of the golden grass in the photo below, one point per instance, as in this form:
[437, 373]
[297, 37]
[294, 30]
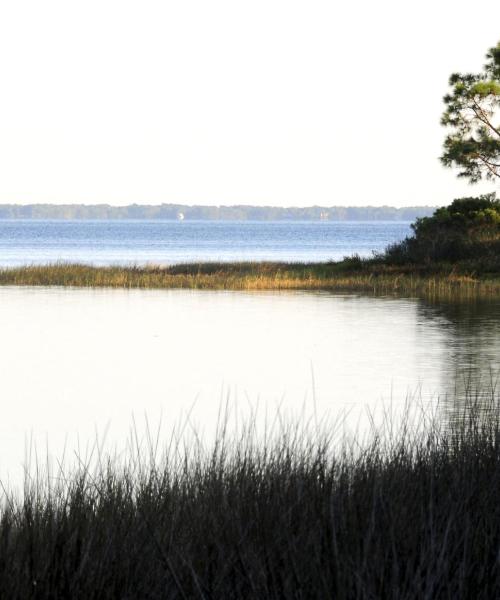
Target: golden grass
[258, 276]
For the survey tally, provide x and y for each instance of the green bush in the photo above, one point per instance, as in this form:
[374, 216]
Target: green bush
[467, 229]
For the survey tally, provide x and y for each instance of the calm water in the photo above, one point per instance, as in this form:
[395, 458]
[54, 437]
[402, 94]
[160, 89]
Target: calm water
[125, 242]
[74, 361]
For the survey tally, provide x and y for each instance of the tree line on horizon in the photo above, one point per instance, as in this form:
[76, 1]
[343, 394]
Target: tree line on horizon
[222, 213]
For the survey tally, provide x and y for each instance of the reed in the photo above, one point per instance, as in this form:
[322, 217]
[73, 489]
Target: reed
[411, 512]
[347, 275]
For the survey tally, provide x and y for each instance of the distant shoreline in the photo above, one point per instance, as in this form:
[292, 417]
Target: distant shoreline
[212, 213]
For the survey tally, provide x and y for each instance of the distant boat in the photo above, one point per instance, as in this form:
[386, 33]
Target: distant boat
[180, 216]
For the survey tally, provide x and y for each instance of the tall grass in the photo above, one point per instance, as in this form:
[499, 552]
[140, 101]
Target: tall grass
[412, 512]
[352, 274]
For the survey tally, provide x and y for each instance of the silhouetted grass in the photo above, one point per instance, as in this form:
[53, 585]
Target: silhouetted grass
[351, 274]
[412, 513]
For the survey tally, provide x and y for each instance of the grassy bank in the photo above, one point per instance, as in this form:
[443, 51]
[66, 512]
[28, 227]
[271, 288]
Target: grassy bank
[348, 275]
[409, 515]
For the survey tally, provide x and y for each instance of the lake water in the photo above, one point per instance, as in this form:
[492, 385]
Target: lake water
[75, 361]
[167, 242]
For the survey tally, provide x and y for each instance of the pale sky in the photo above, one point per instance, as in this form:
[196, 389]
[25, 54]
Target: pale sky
[282, 102]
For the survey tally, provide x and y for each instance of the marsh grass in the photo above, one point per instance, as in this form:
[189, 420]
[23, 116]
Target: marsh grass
[352, 274]
[412, 511]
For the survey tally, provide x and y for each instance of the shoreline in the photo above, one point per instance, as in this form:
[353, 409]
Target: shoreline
[350, 275]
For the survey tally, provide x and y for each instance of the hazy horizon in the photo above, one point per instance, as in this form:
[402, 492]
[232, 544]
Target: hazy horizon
[224, 103]
[192, 204]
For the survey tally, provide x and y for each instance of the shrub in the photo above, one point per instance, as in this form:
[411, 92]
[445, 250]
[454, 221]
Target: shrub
[467, 229]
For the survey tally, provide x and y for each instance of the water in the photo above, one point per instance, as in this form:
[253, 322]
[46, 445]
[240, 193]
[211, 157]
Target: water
[74, 362]
[167, 242]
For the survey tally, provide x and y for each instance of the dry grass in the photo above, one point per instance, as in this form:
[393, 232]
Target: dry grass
[342, 276]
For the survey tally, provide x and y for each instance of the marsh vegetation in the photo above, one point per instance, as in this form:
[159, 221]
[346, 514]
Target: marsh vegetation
[352, 274]
[411, 511]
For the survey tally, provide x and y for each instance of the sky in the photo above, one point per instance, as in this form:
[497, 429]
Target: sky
[265, 102]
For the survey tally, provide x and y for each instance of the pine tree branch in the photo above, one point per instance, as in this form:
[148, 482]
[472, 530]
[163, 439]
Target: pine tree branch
[491, 168]
[481, 115]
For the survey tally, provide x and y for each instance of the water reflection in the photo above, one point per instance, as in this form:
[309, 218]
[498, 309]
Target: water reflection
[76, 360]
[469, 332]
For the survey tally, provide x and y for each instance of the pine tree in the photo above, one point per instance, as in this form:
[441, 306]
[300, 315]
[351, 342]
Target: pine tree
[472, 114]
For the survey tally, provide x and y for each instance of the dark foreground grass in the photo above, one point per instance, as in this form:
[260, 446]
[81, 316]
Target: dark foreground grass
[409, 515]
[351, 274]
